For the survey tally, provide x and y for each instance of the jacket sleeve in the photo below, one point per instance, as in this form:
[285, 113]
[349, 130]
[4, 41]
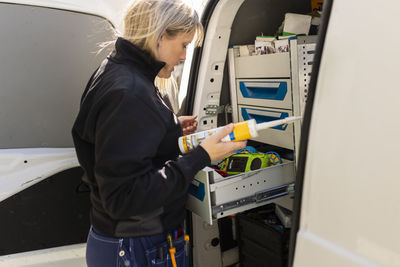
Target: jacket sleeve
[128, 133]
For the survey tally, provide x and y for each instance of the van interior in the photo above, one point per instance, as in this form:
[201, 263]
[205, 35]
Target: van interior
[243, 222]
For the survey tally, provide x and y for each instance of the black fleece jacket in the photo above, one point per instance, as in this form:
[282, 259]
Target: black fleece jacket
[126, 140]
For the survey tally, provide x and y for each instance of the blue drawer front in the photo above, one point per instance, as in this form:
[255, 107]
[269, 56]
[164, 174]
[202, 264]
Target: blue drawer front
[273, 90]
[248, 114]
[198, 191]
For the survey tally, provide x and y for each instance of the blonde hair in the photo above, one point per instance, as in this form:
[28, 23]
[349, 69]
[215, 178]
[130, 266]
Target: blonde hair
[145, 22]
[168, 87]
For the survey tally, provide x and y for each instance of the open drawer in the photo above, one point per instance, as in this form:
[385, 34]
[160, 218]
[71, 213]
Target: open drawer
[212, 196]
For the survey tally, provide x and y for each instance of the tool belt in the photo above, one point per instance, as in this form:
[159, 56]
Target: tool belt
[174, 252]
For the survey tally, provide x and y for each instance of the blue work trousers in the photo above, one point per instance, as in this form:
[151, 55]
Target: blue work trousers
[104, 251]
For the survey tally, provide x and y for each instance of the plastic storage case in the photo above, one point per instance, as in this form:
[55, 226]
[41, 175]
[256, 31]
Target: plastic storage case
[263, 240]
[212, 196]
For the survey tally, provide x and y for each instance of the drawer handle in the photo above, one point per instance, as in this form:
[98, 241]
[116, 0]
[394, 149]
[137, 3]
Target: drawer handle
[264, 90]
[249, 114]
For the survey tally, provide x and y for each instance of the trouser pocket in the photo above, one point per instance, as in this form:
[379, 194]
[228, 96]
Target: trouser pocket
[161, 257]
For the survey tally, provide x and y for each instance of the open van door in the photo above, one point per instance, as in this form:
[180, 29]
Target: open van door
[48, 51]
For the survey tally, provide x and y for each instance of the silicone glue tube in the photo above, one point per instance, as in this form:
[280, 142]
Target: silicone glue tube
[241, 131]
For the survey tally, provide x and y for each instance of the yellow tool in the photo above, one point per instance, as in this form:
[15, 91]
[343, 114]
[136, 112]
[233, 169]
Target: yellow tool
[172, 249]
[186, 237]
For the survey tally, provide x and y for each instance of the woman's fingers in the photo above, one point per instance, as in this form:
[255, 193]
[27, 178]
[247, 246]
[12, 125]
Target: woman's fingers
[223, 132]
[217, 149]
[187, 120]
[189, 124]
[189, 129]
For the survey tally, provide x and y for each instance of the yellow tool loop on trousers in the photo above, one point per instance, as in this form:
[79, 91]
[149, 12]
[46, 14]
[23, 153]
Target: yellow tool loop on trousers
[172, 250]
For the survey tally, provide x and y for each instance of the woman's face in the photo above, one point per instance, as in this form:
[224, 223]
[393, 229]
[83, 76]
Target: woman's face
[172, 51]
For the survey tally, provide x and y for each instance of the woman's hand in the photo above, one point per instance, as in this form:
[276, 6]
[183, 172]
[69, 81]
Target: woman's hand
[189, 124]
[217, 149]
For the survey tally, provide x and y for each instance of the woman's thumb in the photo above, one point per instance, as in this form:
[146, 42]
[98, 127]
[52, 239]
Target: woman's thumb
[224, 131]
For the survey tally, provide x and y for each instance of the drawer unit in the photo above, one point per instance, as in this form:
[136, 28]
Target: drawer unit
[281, 135]
[212, 196]
[263, 66]
[274, 93]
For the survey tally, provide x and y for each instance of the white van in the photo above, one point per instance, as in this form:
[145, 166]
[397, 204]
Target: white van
[341, 160]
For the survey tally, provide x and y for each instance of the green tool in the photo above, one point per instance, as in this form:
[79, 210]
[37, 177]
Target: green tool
[239, 163]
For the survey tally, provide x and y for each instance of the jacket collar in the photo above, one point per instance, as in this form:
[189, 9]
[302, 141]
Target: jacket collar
[127, 52]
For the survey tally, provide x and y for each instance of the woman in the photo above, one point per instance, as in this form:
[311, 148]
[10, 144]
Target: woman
[126, 141]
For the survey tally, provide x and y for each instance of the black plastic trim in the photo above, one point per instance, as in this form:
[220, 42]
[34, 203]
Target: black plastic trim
[52, 213]
[327, 7]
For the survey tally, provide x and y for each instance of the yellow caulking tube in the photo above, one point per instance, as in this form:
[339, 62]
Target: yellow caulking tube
[241, 131]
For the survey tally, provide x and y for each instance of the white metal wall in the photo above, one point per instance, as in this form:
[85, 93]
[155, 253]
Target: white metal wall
[349, 213]
[46, 58]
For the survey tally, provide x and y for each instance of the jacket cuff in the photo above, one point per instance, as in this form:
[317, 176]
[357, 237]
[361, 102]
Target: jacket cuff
[194, 161]
[202, 155]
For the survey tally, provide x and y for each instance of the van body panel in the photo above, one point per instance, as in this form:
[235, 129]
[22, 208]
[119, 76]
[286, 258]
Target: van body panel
[66, 256]
[22, 168]
[109, 10]
[49, 55]
[352, 173]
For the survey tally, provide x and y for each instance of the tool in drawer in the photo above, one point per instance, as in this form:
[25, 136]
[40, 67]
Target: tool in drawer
[274, 158]
[244, 162]
[248, 159]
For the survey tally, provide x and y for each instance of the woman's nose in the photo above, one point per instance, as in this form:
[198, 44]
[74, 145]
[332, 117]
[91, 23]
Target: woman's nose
[183, 56]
